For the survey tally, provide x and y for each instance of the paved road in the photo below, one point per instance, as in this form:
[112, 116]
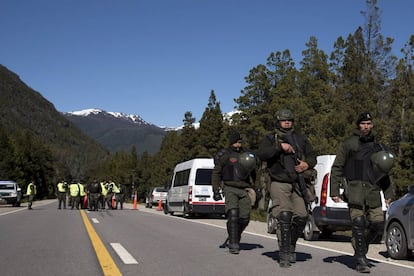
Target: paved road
[56, 242]
[336, 243]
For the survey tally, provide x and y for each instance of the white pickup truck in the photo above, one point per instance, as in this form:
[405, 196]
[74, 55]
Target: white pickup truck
[10, 192]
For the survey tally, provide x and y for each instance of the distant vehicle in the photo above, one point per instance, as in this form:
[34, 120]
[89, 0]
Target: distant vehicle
[191, 191]
[399, 226]
[10, 192]
[157, 193]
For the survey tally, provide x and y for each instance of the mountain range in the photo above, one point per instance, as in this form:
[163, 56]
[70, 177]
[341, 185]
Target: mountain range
[118, 131]
[23, 108]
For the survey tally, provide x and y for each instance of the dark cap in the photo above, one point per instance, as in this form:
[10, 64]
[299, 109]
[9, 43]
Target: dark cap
[234, 137]
[365, 116]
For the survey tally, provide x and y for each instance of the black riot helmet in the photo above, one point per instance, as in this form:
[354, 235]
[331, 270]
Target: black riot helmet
[246, 164]
[382, 162]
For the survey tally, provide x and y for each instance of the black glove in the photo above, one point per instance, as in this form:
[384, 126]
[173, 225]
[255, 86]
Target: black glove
[217, 196]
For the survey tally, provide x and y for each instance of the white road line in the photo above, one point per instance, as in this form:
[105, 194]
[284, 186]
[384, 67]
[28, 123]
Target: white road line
[94, 220]
[123, 254]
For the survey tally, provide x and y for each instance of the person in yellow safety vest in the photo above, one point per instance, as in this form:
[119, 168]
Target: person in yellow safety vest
[61, 193]
[119, 195]
[110, 193]
[82, 194]
[103, 194]
[74, 194]
[31, 193]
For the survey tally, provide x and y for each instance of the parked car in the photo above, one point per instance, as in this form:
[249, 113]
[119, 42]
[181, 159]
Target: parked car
[156, 194]
[399, 226]
[10, 192]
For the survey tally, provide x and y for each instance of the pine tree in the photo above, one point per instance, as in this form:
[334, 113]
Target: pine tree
[315, 106]
[211, 127]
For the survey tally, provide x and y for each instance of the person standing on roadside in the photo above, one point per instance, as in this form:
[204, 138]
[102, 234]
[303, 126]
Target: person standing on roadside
[287, 153]
[119, 195]
[31, 193]
[235, 170]
[82, 195]
[109, 193]
[361, 168]
[62, 188]
[74, 195]
[104, 192]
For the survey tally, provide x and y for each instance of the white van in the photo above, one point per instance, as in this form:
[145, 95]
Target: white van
[191, 191]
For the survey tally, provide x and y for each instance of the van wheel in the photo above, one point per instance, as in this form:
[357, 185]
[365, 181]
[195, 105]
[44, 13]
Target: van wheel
[271, 224]
[310, 233]
[165, 208]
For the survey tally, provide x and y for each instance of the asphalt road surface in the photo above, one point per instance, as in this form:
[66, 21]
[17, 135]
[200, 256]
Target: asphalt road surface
[48, 241]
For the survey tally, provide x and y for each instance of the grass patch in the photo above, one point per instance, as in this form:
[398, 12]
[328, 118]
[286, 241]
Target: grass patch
[258, 215]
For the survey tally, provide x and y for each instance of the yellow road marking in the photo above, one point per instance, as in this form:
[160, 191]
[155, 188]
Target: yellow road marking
[108, 265]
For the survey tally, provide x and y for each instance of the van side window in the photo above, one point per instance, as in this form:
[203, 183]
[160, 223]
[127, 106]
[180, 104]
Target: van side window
[181, 178]
[203, 177]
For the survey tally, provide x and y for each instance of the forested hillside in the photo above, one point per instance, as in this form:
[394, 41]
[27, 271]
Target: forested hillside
[37, 142]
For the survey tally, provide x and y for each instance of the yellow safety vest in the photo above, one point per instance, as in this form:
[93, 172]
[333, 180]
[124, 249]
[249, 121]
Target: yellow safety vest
[74, 189]
[81, 189]
[61, 187]
[115, 189]
[104, 190]
[31, 189]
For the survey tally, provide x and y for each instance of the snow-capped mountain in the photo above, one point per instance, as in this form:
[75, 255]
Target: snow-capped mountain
[136, 119]
[118, 131]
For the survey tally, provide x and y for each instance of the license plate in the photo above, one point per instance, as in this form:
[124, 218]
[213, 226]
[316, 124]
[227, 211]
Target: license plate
[202, 199]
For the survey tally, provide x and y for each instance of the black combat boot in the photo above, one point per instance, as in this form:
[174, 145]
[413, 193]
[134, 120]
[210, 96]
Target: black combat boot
[360, 245]
[243, 222]
[298, 225]
[233, 231]
[284, 238]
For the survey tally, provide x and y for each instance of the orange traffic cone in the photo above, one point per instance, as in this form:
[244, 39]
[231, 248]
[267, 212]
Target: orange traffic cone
[159, 205]
[85, 202]
[113, 202]
[135, 201]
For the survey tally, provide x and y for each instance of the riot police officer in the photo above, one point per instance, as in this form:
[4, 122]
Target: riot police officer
[94, 191]
[287, 153]
[235, 169]
[361, 167]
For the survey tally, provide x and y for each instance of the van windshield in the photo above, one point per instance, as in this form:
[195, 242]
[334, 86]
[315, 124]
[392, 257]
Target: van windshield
[203, 177]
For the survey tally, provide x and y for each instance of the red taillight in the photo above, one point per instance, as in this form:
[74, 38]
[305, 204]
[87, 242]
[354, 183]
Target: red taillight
[190, 194]
[324, 189]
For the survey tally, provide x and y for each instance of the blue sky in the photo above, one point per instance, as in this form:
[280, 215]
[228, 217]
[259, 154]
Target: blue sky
[159, 59]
